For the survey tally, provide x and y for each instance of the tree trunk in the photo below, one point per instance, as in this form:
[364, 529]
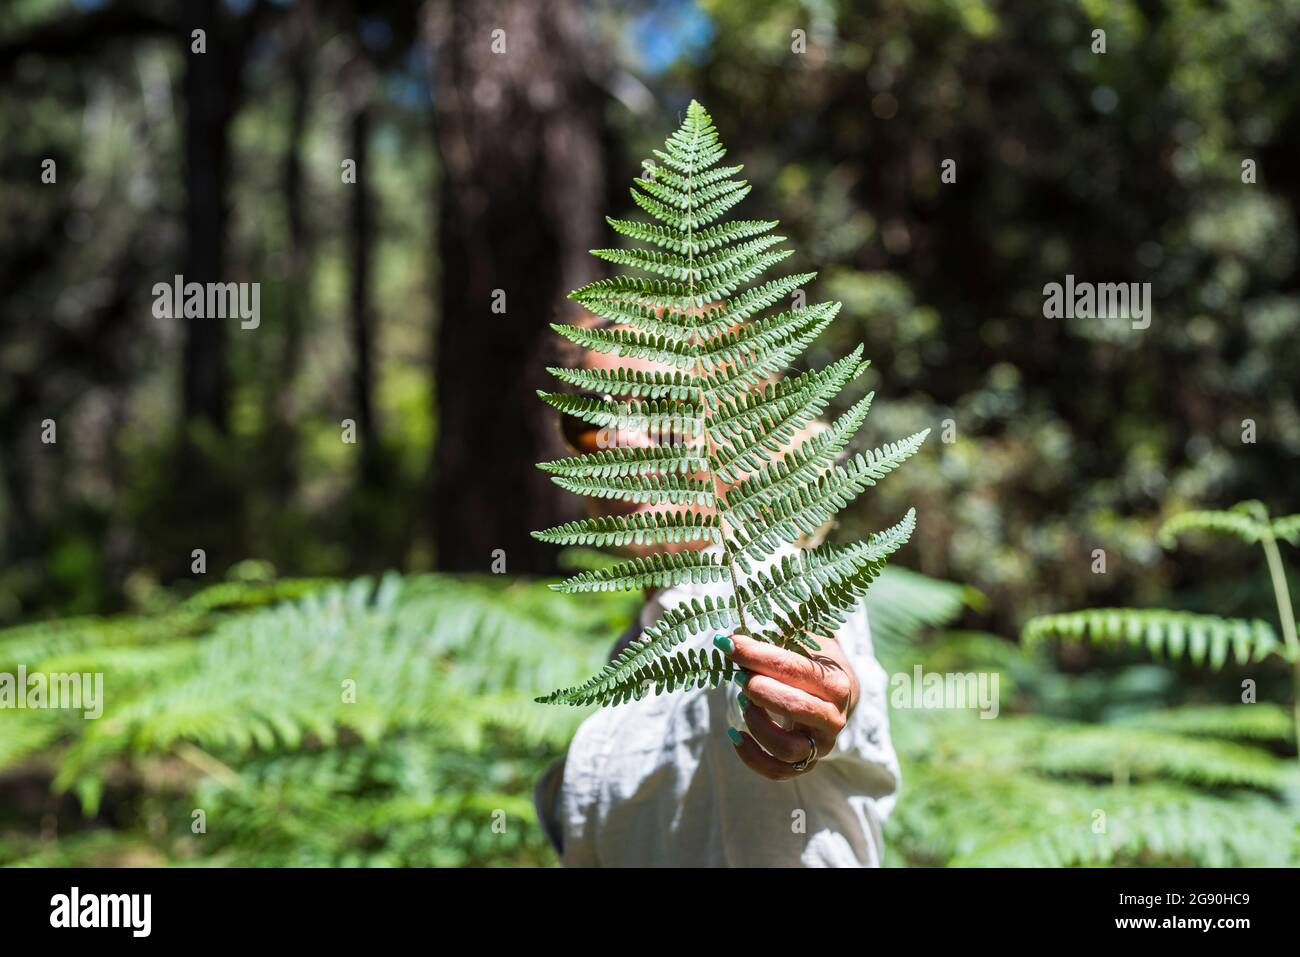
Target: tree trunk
[519, 135]
[362, 239]
[208, 108]
[282, 434]
[207, 501]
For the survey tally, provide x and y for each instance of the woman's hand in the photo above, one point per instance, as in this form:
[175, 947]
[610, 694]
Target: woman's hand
[817, 691]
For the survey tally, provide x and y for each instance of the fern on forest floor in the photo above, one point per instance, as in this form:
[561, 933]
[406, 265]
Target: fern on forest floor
[1206, 639]
[250, 710]
[961, 809]
[244, 720]
[416, 782]
[1185, 786]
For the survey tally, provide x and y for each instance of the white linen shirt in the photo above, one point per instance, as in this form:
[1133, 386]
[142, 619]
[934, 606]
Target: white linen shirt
[657, 782]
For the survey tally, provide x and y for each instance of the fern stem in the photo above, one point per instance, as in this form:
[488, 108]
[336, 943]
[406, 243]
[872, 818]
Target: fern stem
[698, 339]
[1283, 594]
[1286, 612]
[725, 528]
[211, 766]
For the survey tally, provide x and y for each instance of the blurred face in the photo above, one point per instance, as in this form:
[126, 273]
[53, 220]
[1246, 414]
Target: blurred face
[585, 438]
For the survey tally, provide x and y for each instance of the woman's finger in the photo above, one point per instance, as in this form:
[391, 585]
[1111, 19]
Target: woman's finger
[759, 760]
[822, 676]
[788, 745]
[822, 718]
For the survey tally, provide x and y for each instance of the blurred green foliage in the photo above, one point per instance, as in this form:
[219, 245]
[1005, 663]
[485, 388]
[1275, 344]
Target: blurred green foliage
[1123, 166]
[1065, 437]
[235, 703]
[364, 723]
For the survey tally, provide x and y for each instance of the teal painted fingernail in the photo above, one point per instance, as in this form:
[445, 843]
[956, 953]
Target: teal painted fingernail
[741, 677]
[723, 642]
[735, 737]
[743, 699]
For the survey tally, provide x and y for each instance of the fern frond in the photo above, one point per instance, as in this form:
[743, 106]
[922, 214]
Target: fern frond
[810, 506]
[650, 489]
[754, 367]
[655, 571]
[397, 777]
[716, 284]
[982, 798]
[694, 668]
[1137, 755]
[817, 593]
[669, 265]
[761, 425]
[35, 643]
[728, 258]
[644, 528]
[639, 316]
[632, 383]
[626, 342]
[1188, 831]
[610, 463]
[696, 303]
[431, 652]
[695, 243]
[1260, 722]
[1287, 528]
[676, 625]
[779, 479]
[1206, 639]
[753, 301]
[745, 416]
[693, 217]
[241, 595]
[663, 415]
[752, 340]
[690, 192]
[1243, 526]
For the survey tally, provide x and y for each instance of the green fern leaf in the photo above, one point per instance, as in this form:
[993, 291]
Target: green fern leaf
[738, 475]
[674, 627]
[647, 528]
[1287, 528]
[1206, 639]
[1259, 722]
[635, 414]
[655, 571]
[815, 503]
[632, 383]
[1244, 526]
[696, 243]
[610, 463]
[624, 342]
[656, 489]
[817, 591]
[690, 669]
[779, 479]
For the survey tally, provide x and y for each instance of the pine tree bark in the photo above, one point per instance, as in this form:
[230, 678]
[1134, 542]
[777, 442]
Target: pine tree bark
[209, 105]
[281, 436]
[362, 238]
[518, 124]
[206, 498]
